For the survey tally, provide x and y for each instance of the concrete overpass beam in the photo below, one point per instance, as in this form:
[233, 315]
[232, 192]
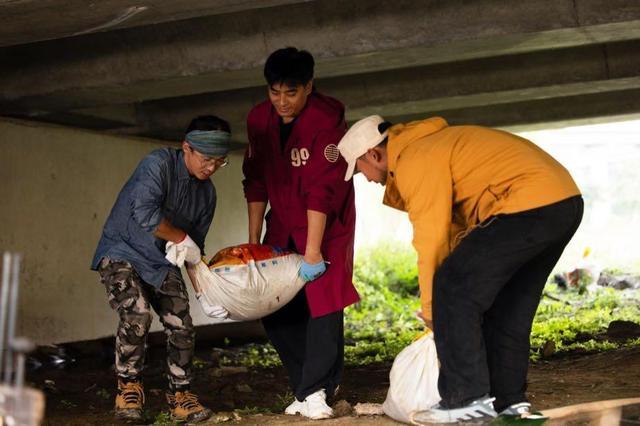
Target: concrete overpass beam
[225, 52]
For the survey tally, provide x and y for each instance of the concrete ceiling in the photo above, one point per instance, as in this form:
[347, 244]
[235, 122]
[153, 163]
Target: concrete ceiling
[146, 68]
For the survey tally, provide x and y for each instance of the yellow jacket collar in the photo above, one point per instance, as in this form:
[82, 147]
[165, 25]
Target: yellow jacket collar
[400, 136]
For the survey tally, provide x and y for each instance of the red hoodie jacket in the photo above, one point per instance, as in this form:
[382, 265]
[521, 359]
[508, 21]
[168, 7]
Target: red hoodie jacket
[307, 175]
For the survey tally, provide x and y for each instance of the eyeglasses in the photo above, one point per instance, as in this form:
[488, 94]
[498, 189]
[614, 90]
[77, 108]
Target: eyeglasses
[210, 161]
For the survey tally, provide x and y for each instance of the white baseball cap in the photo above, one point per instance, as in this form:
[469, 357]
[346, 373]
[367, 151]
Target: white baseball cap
[361, 137]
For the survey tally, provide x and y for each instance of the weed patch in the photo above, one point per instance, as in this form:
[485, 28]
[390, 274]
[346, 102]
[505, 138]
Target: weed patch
[384, 321]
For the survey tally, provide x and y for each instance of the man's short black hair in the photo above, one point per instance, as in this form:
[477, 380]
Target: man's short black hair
[289, 66]
[382, 127]
[208, 122]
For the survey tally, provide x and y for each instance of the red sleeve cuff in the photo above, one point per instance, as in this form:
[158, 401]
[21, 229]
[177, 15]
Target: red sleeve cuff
[318, 204]
[253, 191]
[255, 196]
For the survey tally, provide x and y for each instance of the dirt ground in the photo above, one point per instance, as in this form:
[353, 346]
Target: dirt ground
[82, 392]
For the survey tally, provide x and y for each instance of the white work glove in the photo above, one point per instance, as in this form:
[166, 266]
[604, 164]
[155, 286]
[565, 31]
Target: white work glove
[212, 311]
[184, 251]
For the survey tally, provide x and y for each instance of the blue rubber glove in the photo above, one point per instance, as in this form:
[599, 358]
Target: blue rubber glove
[309, 272]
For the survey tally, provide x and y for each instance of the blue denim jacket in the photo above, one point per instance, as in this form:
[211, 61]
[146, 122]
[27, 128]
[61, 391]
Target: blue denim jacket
[160, 187]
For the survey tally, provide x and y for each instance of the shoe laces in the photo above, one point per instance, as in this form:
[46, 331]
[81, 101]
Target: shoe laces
[187, 400]
[131, 392]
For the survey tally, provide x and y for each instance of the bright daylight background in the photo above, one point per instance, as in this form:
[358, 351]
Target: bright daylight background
[603, 159]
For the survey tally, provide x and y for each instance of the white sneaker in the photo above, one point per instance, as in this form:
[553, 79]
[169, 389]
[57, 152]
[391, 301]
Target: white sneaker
[521, 410]
[478, 410]
[314, 406]
[293, 408]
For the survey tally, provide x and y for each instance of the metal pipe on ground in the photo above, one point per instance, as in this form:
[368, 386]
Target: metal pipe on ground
[4, 296]
[19, 404]
[11, 317]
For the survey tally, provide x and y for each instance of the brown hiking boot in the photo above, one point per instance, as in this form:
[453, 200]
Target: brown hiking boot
[129, 400]
[185, 407]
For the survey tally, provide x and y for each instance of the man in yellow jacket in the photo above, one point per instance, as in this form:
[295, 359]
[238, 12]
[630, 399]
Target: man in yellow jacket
[491, 215]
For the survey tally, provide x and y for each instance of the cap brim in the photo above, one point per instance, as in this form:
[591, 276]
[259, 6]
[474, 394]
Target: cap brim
[350, 169]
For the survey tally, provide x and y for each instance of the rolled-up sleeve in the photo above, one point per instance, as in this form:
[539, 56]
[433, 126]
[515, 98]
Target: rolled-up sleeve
[147, 195]
[326, 170]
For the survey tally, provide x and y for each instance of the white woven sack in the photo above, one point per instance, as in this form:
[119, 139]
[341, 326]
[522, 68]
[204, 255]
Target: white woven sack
[413, 380]
[253, 290]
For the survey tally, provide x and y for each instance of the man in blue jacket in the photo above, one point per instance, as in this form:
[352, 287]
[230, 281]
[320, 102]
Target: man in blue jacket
[169, 201]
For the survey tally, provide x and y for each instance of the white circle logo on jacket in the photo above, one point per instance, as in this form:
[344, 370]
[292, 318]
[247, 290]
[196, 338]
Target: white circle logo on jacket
[331, 153]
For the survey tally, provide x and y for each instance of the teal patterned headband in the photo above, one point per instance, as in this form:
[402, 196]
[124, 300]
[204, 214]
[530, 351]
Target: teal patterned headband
[212, 143]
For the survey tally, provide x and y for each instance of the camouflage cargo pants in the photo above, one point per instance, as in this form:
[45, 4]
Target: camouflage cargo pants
[132, 298]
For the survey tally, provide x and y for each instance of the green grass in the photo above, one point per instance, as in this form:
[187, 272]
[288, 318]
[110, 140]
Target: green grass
[163, 419]
[249, 411]
[562, 321]
[384, 322]
[282, 401]
[199, 364]
[253, 355]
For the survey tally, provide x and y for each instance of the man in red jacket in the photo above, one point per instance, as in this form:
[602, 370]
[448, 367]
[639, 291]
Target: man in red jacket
[293, 164]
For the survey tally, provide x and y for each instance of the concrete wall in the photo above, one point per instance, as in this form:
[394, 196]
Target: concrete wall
[57, 186]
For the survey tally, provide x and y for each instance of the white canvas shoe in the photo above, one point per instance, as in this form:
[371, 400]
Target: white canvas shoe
[314, 406]
[478, 410]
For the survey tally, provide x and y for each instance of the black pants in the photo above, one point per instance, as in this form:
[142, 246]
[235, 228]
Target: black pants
[311, 349]
[485, 296]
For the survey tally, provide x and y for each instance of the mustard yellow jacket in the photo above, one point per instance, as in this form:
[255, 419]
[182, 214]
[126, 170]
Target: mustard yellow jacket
[450, 179]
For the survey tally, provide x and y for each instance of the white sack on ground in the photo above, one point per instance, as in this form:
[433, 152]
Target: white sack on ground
[250, 280]
[413, 380]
